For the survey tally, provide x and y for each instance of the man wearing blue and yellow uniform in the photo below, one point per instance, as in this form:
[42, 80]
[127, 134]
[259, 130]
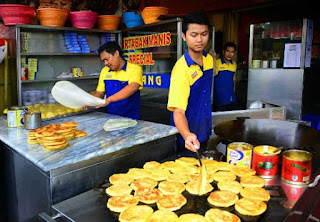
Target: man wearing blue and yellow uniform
[191, 85]
[224, 98]
[120, 81]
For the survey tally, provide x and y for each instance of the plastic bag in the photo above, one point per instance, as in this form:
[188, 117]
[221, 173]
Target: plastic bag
[70, 95]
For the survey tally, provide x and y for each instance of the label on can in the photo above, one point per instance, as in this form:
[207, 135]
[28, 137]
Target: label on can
[15, 117]
[265, 162]
[239, 154]
[296, 167]
[77, 72]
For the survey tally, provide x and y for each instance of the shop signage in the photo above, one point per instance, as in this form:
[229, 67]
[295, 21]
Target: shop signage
[138, 50]
[159, 80]
[143, 42]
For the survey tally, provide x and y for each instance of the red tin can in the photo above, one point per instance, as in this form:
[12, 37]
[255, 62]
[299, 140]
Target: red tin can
[266, 161]
[296, 167]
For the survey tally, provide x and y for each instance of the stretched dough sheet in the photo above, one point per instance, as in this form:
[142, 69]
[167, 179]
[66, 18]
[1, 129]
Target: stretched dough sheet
[117, 124]
[70, 95]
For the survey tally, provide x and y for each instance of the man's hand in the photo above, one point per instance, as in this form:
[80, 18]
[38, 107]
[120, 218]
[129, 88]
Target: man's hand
[107, 102]
[191, 142]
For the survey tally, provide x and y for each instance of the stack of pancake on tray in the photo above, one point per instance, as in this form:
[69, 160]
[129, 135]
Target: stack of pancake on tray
[153, 192]
[55, 136]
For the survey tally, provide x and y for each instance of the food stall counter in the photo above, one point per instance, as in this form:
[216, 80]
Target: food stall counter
[65, 173]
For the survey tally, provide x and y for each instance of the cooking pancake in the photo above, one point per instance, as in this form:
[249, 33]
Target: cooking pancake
[171, 202]
[224, 176]
[80, 133]
[216, 215]
[223, 166]
[184, 169]
[178, 178]
[233, 186]
[211, 169]
[171, 187]
[143, 183]
[250, 207]
[170, 164]
[187, 161]
[151, 165]
[190, 217]
[240, 172]
[222, 198]
[209, 178]
[252, 181]
[193, 188]
[256, 193]
[163, 216]
[121, 178]
[147, 195]
[139, 213]
[118, 190]
[208, 162]
[138, 173]
[159, 174]
[120, 203]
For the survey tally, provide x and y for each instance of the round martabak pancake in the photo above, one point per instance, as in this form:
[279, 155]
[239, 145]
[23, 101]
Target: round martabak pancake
[120, 203]
[216, 215]
[119, 190]
[250, 207]
[163, 216]
[171, 202]
[222, 198]
[139, 213]
[147, 195]
[171, 187]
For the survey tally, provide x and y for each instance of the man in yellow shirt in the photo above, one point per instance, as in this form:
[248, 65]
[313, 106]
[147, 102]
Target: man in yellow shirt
[191, 85]
[120, 81]
[224, 98]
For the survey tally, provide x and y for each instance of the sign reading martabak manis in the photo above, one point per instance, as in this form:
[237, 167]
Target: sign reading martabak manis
[139, 50]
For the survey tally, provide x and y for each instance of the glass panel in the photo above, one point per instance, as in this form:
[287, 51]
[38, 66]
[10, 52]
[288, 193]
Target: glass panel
[269, 41]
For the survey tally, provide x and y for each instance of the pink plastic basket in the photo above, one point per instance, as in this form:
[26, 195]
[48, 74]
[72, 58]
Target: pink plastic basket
[13, 14]
[83, 19]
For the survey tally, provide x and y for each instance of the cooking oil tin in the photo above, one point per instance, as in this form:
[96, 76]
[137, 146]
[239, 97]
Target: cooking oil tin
[296, 167]
[15, 116]
[239, 154]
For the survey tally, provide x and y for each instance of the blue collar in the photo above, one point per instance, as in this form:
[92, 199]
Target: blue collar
[124, 67]
[223, 61]
[189, 60]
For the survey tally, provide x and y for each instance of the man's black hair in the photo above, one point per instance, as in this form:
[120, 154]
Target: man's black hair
[230, 44]
[195, 18]
[110, 47]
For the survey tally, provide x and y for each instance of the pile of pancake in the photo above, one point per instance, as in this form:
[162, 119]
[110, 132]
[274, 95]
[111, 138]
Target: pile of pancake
[55, 136]
[134, 193]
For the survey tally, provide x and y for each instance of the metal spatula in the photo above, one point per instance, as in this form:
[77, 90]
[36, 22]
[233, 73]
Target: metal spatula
[202, 176]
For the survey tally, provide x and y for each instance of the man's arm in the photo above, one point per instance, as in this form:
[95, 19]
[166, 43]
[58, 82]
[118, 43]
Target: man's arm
[124, 93]
[99, 94]
[180, 120]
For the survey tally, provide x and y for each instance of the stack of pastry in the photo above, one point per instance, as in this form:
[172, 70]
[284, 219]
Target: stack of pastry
[55, 136]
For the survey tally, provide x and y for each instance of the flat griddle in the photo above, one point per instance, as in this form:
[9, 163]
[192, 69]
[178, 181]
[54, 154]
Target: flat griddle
[91, 205]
